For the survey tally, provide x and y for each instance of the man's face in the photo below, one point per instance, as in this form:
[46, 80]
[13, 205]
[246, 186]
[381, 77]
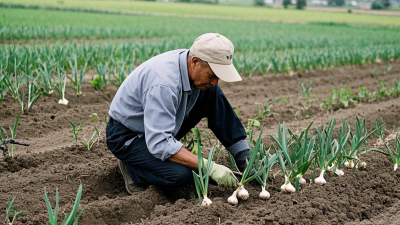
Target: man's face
[202, 75]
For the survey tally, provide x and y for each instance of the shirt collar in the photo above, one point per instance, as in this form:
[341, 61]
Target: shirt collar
[184, 71]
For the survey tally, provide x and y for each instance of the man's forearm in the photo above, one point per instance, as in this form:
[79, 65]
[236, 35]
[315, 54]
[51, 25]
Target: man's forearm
[186, 158]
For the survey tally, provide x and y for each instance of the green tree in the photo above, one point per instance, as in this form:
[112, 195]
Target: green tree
[259, 2]
[336, 2]
[286, 3]
[386, 3]
[300, 4]
[377, 5]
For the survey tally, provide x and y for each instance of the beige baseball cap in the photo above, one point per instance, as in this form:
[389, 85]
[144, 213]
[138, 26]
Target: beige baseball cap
[217, 50]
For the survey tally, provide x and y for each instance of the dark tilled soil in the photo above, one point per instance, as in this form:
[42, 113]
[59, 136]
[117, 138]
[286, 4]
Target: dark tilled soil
[53, 160]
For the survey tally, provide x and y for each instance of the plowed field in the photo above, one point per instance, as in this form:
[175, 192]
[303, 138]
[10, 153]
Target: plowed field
[53, 160]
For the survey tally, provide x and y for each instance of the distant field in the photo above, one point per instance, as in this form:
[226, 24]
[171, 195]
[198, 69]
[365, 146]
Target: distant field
[260, 47]
[218, 11]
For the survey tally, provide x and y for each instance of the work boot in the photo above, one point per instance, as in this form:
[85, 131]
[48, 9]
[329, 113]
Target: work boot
[131, 187]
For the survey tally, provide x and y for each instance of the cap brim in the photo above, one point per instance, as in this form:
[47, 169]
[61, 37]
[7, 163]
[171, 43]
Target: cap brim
[227, 73]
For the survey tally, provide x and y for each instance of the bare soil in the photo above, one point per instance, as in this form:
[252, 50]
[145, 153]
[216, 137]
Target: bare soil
[53, 160]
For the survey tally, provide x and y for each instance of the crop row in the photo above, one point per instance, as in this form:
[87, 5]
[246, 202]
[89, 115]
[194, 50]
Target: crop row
[206, 11]
[21, 24]
[26, 73]
[295, 154]
[112, 61]
[345, 96]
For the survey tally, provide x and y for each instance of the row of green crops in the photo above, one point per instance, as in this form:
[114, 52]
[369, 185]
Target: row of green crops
[260, 47]
[345, 96]
[185, 10]
[16, 59]
[42, 69]
[246, 35]
[324, 149]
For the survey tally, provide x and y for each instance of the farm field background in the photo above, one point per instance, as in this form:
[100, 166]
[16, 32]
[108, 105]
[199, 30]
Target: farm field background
[275, 59]
[213, 11]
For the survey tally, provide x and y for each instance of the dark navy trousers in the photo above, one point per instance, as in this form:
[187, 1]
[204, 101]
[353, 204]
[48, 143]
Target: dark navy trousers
[146, 170]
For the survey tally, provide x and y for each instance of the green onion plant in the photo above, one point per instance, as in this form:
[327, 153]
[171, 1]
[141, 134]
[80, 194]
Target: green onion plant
[301, 153]
[13, 211]
[34, 91]
[254, 167]
[60, 86]
[75, 130]
[294, 156]
[357, 140]
[395, 154]
[201, 179]
[14, 133]
[13, 83]
[102, 71]
[45, 78]
[269, 162]
[119, 76]
[72, 217]
[89, 143]
[77, 78]
[327, 150]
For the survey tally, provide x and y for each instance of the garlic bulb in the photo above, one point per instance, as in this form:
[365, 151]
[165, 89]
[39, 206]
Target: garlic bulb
[339, 172]
[264, 194]
[301, 179]
[63, 101]
[320, 180]
[290, 188]
[395, 167]
[233, 199]
[206, 201]
[349, 164]
[243, 193]
[287, 187]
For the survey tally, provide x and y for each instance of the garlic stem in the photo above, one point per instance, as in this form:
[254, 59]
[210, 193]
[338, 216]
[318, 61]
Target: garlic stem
[395, 167]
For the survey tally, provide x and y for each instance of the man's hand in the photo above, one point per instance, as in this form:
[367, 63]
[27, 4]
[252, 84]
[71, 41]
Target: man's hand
[222, 175]
[241, 159]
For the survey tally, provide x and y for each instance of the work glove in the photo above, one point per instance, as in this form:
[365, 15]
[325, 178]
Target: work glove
[222, 175]
[241, 159]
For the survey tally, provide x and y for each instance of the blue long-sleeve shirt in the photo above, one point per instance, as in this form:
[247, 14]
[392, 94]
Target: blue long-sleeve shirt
[154, 100]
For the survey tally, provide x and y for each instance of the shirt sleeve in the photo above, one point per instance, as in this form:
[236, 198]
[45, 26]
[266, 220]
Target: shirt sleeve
[160, 104]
